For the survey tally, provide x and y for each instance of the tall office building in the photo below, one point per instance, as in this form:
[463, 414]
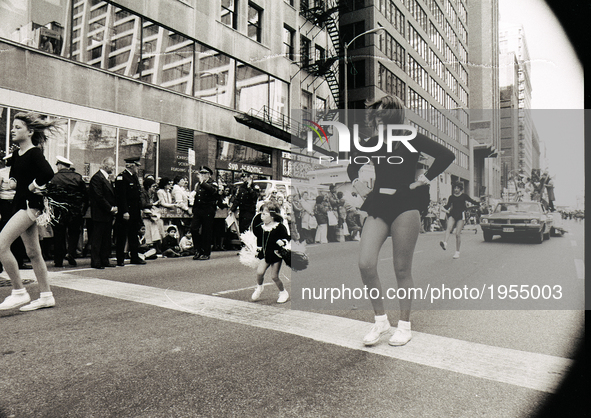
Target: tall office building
[485, 96]
[421, 56]
[158, 79]
[519, 140]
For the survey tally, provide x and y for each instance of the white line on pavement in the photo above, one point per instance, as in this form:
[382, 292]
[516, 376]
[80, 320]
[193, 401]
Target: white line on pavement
[580, 266]
[530, 370]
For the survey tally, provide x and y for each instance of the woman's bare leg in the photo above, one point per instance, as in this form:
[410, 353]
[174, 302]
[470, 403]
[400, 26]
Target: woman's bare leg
[33, 246]
[405, 232]
[15, 227]
[375, 232]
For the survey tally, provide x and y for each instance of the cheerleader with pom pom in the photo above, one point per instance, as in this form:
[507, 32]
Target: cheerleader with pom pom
[271, 236]
[29, 172]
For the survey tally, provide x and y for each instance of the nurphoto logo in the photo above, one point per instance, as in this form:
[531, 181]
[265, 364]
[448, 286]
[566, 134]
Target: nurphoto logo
[390, 135]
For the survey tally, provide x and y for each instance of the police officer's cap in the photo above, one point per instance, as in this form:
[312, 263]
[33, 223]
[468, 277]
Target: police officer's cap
[132, 160]
[205, 170]
[64, 161]
[245, 174]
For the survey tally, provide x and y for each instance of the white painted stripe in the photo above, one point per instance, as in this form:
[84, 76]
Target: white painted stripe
[530, 370]
[580, 266]
[573, 243]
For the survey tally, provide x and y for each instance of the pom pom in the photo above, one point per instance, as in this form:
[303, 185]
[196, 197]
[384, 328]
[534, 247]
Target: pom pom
[248, 253]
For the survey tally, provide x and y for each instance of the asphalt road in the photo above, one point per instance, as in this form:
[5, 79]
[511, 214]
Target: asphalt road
[180, 338]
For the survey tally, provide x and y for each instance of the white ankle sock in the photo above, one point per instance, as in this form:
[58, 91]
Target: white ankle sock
[404, 325]
[45, 294]
[19, 291]
[381, 317]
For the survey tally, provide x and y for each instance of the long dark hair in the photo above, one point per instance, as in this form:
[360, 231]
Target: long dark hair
[38, 125]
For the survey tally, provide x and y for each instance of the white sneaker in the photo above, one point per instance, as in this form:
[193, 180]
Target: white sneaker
[378, 329]
[256, 295]
[45, 302]
[457, 255]
[400, 337]
[283, 296]
[14, 301]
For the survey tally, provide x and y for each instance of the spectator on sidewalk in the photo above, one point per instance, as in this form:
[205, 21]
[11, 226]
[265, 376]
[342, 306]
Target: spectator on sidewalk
[67, 229]
[170, 243]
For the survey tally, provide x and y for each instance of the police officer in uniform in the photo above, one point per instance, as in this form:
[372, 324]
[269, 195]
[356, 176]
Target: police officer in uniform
[245, 200]
[204, 207]
[66, 232]
[129, 220]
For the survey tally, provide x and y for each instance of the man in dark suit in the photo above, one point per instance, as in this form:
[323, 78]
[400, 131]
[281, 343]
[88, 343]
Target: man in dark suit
[129, 217]
[103, 207]
[204, 206]
[66, 233]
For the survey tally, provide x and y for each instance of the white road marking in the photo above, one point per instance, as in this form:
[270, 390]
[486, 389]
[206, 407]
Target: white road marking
[225, 292]
[530, 370]
[580, 266]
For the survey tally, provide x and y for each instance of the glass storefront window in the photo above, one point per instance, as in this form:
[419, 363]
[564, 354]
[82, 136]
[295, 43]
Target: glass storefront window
[137, 144]
[239, 153]
[90, 143]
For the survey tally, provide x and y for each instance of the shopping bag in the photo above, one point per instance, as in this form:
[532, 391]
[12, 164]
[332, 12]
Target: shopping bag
[333, 220]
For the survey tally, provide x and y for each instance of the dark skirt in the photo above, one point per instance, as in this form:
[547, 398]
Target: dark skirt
[389, 207]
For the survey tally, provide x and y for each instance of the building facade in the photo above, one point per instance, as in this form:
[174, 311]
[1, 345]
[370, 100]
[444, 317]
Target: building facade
[520, 144]
[485, 96]
[421, 56]
[160, 78]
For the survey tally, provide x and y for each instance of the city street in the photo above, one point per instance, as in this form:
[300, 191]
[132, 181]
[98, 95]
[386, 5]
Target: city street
[181, 338]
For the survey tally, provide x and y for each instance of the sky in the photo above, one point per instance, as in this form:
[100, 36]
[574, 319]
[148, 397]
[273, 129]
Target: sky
[557, 83]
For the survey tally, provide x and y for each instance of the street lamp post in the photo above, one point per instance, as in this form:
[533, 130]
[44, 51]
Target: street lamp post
[347, 45]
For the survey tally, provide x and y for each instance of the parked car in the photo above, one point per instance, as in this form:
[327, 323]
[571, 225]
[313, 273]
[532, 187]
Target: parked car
[517, 218]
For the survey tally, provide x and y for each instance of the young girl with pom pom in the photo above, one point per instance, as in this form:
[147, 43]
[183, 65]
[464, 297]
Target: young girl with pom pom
[271, 235]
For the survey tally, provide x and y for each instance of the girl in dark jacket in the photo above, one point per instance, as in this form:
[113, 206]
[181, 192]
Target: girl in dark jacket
[271, 234]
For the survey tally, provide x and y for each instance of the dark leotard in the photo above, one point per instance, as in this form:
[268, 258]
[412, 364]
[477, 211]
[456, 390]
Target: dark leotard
[400, 176]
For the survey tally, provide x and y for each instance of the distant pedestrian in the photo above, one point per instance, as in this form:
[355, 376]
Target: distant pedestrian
[271, 234]
[29, 174]
[456, 207]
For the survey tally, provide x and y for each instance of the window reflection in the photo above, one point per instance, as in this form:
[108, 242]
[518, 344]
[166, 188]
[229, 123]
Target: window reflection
[239, 153]
[105, 36]
[252, 88]
[214, 72]
[90, 143]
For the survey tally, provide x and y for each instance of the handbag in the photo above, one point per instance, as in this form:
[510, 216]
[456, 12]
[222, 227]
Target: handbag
[333, 220]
